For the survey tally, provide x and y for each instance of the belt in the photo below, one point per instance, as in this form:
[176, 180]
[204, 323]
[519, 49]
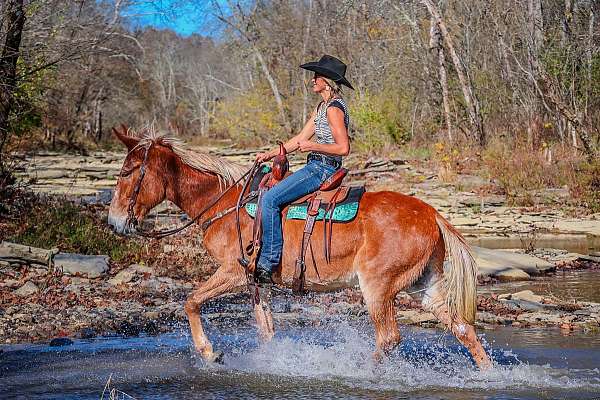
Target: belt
[324, 159]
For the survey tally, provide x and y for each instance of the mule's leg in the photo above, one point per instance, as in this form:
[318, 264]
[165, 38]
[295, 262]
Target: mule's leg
[223, 281]
[380, 303]
[434, 301]
[264, 317]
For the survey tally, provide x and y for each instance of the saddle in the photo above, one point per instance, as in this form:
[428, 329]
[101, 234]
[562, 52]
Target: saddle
[320, 204]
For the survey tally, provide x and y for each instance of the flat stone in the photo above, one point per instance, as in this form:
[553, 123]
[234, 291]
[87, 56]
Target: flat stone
[575, 225]
[465, 221]
[27, 289]
[79, 264]
[491, 262]
[124, 276]
[14, 251]
[512, 275]
[540, 317]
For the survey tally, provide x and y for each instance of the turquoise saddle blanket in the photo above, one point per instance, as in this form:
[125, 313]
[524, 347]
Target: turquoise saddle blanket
[342, 213]
[345, 211]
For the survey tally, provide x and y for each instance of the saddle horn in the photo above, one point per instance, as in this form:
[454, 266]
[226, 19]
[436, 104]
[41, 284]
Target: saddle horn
[280, 163]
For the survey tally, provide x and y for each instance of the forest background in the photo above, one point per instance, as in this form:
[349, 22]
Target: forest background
[507, 88]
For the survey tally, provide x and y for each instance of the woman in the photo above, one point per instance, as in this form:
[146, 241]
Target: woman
[329, 123]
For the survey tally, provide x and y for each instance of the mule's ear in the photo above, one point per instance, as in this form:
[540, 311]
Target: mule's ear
[123, 136]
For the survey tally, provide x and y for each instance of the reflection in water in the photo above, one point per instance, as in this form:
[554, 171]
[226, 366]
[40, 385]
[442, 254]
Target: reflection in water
[566, 285]
[329, 361]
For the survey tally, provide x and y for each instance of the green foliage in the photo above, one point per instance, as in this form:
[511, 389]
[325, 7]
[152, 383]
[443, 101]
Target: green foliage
[585, 185]
[49, 223]
[28, 98]
[380, 120]
[247, 117]
[519, 168]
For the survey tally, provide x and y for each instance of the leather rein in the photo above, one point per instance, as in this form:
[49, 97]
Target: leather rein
[133, 222]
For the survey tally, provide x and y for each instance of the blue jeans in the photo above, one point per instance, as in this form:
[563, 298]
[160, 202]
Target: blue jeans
[300, 183]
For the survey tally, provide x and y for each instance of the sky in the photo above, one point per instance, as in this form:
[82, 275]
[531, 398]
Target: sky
[181, 16]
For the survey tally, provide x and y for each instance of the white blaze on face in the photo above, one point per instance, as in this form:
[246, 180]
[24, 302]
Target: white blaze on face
[117, 214]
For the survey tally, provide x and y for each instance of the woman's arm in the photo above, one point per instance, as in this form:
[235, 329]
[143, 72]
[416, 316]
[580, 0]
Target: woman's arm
[292, 144]
[341, 147]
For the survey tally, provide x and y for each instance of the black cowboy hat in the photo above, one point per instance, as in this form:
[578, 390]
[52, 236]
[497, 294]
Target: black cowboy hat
[330, 67]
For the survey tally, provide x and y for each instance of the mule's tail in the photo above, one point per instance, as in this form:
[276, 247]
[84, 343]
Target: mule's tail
[460, 280]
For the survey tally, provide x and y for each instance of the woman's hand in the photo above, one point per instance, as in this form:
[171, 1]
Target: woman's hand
[305, 145]
[262, 157]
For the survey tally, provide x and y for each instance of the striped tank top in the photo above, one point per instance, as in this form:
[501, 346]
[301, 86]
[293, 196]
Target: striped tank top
[322, 128]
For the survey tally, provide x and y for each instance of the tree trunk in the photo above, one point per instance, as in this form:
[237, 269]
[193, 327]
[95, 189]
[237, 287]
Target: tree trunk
[274, 88]
[304, 72]
[536, 24]
[590, 56]
[436, 44]
[13, 16]
[467, 88]
[567, 21]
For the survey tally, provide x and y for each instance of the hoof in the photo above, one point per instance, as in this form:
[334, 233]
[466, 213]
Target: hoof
[215, 358]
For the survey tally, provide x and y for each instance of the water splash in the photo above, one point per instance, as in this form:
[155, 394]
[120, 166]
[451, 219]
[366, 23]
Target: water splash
[425, 361]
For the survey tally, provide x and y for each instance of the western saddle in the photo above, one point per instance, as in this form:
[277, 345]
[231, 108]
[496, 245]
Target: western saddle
[329, 194]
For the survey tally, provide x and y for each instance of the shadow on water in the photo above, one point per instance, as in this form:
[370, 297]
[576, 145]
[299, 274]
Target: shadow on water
[331, 360]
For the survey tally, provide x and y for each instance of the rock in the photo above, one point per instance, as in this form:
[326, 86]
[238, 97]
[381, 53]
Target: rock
[574, 225]
[512, 275]
[526, 295]
[87, 333]
[124, 276]
[31, 255]
[540, 317]
[59, 342]
[465, 221]
[27, 290]
[491, 262]
[140, 269]
[79, 264]
[10, 283]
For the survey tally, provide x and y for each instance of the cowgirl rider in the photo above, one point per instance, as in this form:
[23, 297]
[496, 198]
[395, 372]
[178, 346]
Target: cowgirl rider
[329, 124]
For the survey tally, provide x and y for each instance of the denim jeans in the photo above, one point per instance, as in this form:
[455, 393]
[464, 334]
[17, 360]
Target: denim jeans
[300, 183]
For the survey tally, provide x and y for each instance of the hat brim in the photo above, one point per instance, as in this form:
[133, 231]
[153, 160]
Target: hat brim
[327, 73]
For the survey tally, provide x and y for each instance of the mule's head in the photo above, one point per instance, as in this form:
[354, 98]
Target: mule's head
[143, 193]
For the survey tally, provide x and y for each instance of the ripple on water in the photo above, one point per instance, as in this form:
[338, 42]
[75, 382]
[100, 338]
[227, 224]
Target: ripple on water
[332, 360]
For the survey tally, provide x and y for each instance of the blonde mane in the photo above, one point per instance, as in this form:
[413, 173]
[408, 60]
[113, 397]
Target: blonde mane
[227, 171]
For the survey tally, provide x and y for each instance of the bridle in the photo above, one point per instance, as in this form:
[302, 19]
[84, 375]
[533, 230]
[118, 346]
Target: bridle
[133, 223]
[241, 202]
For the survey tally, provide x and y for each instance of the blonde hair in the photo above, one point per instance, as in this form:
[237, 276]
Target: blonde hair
[336, 90]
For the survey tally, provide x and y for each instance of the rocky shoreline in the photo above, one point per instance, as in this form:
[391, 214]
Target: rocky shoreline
[46, 294]
[51, 303]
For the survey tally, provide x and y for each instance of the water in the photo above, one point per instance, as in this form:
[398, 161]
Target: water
[580, 285]
[331, 360]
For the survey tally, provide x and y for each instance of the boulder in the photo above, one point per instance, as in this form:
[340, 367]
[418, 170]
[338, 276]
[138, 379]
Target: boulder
[27, 290]
[82, 265]
[512, 275]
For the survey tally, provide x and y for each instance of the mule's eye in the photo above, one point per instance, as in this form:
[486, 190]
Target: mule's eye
[126, 173]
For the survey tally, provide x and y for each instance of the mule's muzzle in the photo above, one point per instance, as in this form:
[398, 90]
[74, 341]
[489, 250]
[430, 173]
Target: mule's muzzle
[120, 224]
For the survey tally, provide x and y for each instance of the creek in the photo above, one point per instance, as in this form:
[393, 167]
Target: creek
[329, 360]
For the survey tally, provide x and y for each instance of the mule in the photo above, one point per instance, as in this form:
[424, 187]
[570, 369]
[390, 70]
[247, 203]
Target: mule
[394, 240]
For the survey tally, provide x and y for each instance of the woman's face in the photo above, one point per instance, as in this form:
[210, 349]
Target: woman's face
[318, 83]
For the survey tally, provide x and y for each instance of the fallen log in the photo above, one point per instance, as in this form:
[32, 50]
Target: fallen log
[18, 253]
